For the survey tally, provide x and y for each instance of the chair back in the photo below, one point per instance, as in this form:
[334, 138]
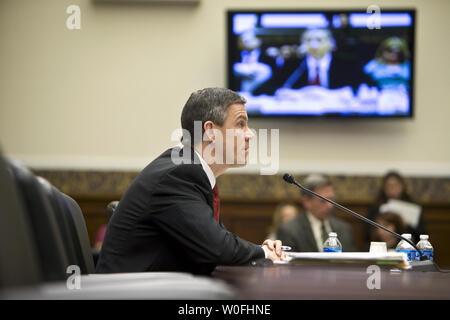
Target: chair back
[19, 263]
[46, 234]
[80, 234]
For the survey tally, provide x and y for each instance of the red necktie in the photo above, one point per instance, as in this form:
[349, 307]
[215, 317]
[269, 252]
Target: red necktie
[216, 203]
[316, 81]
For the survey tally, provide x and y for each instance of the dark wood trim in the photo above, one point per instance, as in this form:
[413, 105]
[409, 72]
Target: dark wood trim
[248, 201]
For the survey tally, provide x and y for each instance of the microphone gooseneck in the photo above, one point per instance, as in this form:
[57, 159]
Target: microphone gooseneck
[290, 179]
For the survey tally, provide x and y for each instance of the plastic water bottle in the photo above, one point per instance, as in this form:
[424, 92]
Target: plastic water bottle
[332, 244]
[405, 247]
[425, 247]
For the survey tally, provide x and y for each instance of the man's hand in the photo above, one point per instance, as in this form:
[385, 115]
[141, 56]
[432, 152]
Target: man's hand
[273, 250]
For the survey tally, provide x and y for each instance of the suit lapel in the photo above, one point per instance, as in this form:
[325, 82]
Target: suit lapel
[335, 226]
[210, 198]
[342, 236]
[192, 159]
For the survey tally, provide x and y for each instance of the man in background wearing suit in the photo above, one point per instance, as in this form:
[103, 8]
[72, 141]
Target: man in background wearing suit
[169, 218]
[320, 66]
[308, 231]
[317, 62]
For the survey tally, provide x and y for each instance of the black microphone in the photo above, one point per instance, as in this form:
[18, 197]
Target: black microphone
[426, 266]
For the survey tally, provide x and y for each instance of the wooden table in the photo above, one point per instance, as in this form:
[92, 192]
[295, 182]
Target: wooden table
[324, 281]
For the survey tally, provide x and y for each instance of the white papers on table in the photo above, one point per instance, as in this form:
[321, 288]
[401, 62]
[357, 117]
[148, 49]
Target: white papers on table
[399, 257]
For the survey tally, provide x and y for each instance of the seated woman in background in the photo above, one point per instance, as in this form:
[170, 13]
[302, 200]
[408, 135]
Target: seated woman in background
[391, 221]
[110, 208]
[394, 197]
[284, 212]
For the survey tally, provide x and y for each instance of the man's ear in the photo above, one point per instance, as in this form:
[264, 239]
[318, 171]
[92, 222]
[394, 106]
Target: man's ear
[208, 127]
[304, 201]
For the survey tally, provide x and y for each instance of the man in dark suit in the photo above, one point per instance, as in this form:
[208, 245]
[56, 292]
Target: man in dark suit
[317, 64]
[321, 66]
[169, 218]
[308, 231]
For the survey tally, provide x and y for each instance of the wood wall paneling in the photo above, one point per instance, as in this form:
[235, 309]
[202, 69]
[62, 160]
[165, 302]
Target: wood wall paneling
[248, 202]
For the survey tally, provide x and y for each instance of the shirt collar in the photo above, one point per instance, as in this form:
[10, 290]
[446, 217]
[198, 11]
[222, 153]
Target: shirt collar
[207, 169]
[323, 62]
[315, 222]
[316, 225]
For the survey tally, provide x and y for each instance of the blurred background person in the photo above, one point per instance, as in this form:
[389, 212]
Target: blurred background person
[250, 69]
[284, 212]
[390, 68]
[393, 196]
[392, 222]
[308, 231]
[283, 54]
[100, 235]
[391, 72]
[282, 61]
[320, 65]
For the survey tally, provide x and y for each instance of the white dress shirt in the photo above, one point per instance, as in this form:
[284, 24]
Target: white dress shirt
[316, 226]
[323, 64]
[207, 169]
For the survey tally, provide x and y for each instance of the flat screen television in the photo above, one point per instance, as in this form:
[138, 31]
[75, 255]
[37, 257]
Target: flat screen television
[322, 63]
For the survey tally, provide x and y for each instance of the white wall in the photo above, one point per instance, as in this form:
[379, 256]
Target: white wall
[108, 96]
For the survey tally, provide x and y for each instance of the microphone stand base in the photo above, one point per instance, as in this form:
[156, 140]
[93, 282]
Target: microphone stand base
[424, 266]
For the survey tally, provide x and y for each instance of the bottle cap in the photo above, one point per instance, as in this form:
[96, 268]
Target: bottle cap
[407, 235]
[332, 234]
[424, 237]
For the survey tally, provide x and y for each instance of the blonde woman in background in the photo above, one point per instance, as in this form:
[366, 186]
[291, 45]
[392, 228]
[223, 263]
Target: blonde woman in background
[285, 211]
[391, 67]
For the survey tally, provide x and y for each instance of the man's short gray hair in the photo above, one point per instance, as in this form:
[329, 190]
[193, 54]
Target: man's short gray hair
[209, 104]
[314, 182]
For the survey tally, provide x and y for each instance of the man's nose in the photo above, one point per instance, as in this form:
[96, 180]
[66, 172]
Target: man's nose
[249, 134]
[314, 44]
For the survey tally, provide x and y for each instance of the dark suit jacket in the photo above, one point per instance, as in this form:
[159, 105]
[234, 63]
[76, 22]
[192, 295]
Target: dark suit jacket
[165, 222]
[341, 73]
[298, 234]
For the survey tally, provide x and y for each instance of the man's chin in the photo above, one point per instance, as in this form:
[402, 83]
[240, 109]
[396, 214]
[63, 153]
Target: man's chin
[239, 163]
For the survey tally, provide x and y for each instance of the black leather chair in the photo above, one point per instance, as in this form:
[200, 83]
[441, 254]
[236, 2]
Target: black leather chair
[33, 255]
[62, 220]
[80, 236]
[46, 233]
[18, 254]
[79, 233]
[66, 213]
[74, 245]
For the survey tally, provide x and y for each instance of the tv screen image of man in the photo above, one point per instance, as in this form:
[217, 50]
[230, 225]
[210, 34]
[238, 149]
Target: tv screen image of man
[169, 218]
